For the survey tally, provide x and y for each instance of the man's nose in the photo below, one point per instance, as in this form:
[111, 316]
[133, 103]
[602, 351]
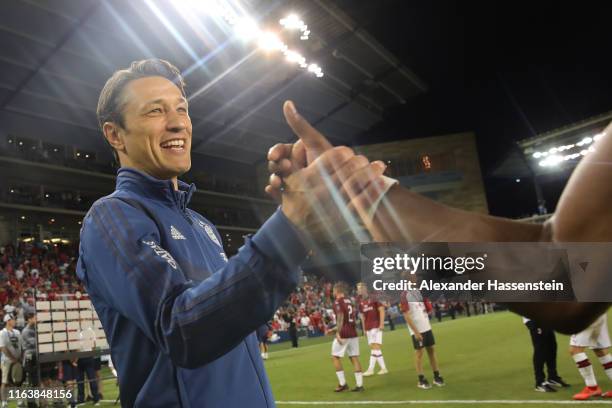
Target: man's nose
[176, 123]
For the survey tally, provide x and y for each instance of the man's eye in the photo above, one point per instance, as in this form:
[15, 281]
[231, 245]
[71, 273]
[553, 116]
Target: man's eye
[156, 110]
[182, 109]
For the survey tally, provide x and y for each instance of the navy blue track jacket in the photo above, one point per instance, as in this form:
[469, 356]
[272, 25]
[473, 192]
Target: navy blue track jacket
[180, 317]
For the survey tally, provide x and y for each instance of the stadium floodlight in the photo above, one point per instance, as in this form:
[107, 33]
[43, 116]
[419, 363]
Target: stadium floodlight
[269, 41]
[293, 56]
[246, 29]
[552, 160]
[586, 141]
[555, 159]
[315, 69]
[292, 22]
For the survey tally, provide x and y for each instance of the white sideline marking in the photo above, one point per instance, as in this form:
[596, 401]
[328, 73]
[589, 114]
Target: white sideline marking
[465, 402]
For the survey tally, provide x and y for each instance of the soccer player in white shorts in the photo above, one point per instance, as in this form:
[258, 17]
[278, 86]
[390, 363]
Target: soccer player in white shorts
[373, 321]
[349, 346]
[346, 340]
[374, 337]
[597, 338]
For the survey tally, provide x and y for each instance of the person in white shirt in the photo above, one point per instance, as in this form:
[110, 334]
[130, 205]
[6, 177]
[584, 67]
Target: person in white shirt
[415, 313]
[10, 350]
[86, 365]
[9, 309]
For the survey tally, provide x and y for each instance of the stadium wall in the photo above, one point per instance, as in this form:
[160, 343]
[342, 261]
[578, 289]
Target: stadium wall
[445, 168]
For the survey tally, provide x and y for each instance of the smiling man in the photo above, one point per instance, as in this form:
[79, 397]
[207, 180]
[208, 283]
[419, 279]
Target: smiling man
[179, 316]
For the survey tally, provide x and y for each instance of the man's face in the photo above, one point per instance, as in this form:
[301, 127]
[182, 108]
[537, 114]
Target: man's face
[10, 324]
[362, 290]
[157, 133]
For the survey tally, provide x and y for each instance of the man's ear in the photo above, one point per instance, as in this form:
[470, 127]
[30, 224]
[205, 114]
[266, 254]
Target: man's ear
[114, 136]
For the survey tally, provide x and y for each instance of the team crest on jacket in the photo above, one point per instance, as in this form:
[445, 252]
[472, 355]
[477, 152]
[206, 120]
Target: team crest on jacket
[210, 233]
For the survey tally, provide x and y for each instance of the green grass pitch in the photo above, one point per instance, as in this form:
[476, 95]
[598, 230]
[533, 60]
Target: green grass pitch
[482, 358]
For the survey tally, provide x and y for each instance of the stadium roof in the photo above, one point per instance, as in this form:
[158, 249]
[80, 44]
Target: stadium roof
[55, 58]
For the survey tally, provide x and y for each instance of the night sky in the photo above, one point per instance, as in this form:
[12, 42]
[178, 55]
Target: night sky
[506, 70]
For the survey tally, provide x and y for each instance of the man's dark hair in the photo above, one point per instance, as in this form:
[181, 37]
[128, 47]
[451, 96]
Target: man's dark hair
[110, 103]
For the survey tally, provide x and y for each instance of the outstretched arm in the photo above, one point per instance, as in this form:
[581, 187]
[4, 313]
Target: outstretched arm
[583, 215]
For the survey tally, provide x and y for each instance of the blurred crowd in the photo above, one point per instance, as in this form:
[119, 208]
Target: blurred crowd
[35, 270]
[48, 271]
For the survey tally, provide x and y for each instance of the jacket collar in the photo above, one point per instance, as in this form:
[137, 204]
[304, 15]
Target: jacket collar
[141, 183]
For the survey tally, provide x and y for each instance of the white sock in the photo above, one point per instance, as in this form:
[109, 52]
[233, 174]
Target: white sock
[606, 362]
[372, 360]
[586, 369]
[381, 361]
[341, 379]
[359, 379]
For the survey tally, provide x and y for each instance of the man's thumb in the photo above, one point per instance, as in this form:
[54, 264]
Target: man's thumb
[312, 139]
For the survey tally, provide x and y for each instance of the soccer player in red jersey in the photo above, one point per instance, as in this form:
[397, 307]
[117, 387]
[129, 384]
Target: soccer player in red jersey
[373, 322]
[346, 340]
